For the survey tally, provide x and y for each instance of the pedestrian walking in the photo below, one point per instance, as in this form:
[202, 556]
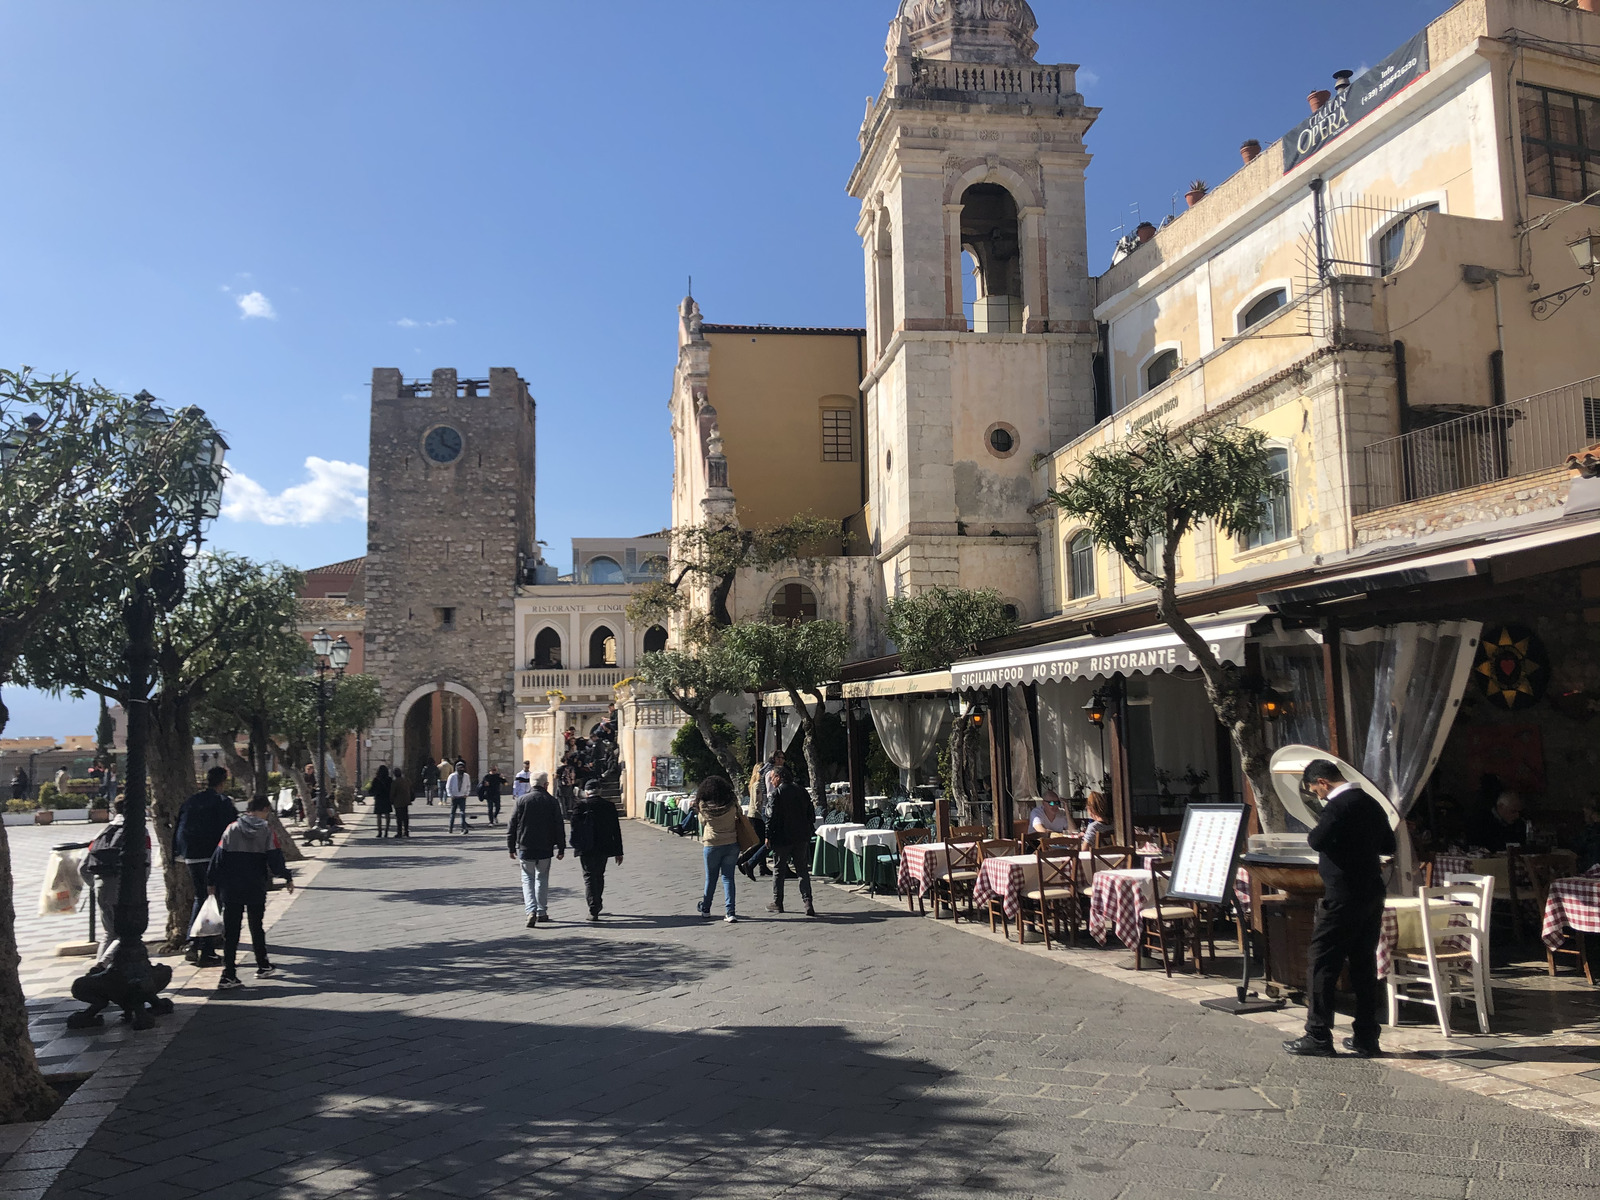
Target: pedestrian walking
[764, 787]
[790, 827]
[201, 823]
[62, 779]
[241, 870]
[382, 789]
[400, 796]
[718, 811]
[430, 780]
[489, 790]
[459, 787]
[19, 785]
[522, 782]
[535, 833]
[1352, 834]
[445, 768]
[596, 837]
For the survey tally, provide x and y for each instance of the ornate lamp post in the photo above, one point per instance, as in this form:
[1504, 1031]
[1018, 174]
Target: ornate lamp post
[334, 655]
[170, 525]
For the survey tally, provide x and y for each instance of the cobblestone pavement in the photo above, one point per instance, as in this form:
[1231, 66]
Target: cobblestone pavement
[424, 1044]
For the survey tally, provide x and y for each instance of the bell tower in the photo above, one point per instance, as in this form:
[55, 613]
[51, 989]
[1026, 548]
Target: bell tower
[980, 312]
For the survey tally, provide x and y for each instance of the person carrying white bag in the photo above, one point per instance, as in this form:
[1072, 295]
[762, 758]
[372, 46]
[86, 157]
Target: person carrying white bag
[103, 860]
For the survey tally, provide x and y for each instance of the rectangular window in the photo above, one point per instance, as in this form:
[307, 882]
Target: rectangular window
[1591, 419]
[1561, 143]
[1277, 521]
[446, 617]
[838, 435]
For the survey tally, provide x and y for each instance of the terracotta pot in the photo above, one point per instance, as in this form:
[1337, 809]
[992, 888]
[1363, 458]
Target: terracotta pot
[1319, 100]
[1194, 197]
[1250, 151]
[1145, 232]
[44, 816]
[99, 816]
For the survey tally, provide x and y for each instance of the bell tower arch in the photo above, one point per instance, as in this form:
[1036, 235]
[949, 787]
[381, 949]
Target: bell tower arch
[979, 297]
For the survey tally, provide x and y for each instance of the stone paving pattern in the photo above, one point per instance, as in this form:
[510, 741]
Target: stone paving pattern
[424, 1044]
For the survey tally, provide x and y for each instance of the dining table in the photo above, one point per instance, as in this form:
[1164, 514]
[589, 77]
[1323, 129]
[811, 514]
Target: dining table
[827, 857]
[1573, 903]
[923, 864]
[1115, 900]
[1008, 878]
[862, 848]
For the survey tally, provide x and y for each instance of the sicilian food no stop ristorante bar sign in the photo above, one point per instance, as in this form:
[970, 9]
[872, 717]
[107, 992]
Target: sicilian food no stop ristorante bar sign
[1368, 92]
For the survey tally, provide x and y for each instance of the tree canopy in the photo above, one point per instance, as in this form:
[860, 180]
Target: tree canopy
[939, 624]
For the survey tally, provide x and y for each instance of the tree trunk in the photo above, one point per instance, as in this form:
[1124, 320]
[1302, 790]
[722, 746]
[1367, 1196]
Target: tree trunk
[808, 725]
[719, 602]
[242, 769]
[172, 781]
[24, 1095]
[718, 746]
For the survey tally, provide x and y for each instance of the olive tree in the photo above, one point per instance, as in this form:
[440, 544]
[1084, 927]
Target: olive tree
[800, 657]
[1139, 500]
[695, 679]
[939, 624]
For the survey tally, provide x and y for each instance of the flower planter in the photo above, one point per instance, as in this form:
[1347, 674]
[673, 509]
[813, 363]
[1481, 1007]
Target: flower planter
[99, 816]
[21, 818]
[45, 816]
[72, 814]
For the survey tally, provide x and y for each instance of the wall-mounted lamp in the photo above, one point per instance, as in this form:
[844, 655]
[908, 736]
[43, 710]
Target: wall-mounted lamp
[1586, 254]
[1095, 710]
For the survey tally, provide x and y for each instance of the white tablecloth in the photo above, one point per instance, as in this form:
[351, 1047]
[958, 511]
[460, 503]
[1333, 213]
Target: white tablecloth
[857, 840]
[834, 834]
[907, 808]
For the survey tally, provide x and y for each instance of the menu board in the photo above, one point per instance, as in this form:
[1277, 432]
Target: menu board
[1207, 857]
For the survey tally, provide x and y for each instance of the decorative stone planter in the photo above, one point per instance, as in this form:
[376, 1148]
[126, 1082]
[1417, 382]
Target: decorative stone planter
[21, 818]
[72, 814]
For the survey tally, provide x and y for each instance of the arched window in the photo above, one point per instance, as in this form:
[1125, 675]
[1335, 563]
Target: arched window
[654, 567]
[547, 650]
[603, 570]
[992, 234]
[1263, 308]
[1160, 369]
[1080, 566]
[1395, 241]
[655, 640]
[602, 648]
[794, 603]
[884, 279]
[1277, 522]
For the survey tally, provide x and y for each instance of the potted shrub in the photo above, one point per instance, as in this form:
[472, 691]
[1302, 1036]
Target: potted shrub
[20, 812]
[1197, 192]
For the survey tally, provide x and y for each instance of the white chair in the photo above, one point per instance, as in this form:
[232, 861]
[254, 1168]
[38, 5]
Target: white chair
[1485, 885]
[1443, 970]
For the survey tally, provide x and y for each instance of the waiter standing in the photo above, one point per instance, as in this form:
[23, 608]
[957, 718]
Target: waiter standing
[1351, 836]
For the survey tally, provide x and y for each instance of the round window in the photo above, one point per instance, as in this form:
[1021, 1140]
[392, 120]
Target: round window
[1002, 439]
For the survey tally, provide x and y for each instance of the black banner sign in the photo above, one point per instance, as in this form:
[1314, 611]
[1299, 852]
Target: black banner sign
[1368, 92]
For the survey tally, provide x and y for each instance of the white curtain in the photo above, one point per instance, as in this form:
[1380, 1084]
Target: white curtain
[1024, 783]
[1069, 746]
[908, 729]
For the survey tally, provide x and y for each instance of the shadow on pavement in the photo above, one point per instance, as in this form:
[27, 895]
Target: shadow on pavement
[402, 862]
[391, 1105]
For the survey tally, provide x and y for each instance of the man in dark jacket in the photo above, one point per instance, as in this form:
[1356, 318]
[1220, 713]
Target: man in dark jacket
[201, 822]
[490, 788]
[1352, 834]
[535, 832]
[790, 827]
[247, 858]
[596, 836]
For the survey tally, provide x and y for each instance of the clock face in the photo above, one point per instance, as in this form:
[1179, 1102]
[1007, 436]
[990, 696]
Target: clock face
[442, 445]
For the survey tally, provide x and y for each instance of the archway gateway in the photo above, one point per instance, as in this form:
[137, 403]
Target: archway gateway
[441, 720]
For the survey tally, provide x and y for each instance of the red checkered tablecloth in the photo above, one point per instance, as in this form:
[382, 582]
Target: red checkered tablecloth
[1450, 864]
[1574, 903]
[921, 865]
[1115, 902]
[1009, 878]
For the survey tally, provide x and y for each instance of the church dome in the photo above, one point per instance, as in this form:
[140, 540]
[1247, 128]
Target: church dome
[976, 31]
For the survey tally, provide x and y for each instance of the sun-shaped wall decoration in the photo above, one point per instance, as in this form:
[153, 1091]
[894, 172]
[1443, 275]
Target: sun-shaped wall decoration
[1512, 667]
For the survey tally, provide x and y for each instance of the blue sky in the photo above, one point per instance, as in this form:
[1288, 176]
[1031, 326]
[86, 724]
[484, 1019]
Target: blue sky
[249, 206]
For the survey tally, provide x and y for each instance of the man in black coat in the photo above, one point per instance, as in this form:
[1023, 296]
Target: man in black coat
[201, 822]
[596, 836]
[790, 827]
[535, 833]
[1351, 836]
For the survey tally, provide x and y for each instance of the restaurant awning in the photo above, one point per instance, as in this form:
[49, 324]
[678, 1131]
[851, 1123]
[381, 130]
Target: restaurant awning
[1503, 561]
[1144, 652]
[926, 683]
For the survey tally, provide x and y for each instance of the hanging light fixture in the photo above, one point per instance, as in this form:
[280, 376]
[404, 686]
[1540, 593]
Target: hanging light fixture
[1095, 710]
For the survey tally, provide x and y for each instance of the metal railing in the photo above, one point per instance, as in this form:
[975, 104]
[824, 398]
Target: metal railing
[1492, 444]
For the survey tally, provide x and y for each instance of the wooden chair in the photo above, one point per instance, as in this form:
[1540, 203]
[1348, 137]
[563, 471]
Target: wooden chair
[1058, 895]
[997, 848]
[960, 856]
[1168, 922]
[902, 839]
[1169, 841]
[1442, 970]
[1529, 876]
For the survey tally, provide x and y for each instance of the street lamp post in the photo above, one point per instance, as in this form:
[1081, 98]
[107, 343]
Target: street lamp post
[334, 655]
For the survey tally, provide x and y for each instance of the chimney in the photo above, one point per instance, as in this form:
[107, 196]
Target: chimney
[1341, 82]
[1250, 151]
[1319, 100]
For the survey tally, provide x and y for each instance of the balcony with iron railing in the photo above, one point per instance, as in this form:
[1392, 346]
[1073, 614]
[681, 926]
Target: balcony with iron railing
[1504, 442]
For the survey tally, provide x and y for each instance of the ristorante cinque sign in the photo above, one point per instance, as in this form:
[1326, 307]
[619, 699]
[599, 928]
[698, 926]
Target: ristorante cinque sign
[1368, 92]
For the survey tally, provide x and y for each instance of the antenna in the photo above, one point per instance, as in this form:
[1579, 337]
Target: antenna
[691, 287]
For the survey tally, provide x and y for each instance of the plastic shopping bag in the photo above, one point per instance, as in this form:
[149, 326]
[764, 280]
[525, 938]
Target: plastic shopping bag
[63, 884]
[286, 801]
[209, 923]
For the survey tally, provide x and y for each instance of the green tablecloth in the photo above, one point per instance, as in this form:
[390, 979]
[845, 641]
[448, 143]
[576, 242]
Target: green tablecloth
[827, 859]
[652, 811]
[865, 867]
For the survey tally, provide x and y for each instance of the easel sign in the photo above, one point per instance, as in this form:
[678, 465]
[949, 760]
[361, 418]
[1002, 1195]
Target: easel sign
[1207, 858]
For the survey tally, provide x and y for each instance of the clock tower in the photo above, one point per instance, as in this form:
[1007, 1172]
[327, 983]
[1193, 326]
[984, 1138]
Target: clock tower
[450, 532]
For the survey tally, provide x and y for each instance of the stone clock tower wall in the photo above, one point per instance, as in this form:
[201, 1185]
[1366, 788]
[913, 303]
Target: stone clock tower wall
[446, 545]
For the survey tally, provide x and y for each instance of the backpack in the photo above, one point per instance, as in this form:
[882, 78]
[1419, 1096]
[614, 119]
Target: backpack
[104, 856]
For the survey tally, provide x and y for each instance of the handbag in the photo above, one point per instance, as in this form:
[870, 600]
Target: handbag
[748, 838]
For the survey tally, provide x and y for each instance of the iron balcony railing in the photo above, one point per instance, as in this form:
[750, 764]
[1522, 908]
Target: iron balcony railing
[1501, 442]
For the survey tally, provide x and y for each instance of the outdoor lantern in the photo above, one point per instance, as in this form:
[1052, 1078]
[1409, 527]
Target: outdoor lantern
[339, 652]
[207, 467]
[1586, 252]
[1275, 706]
[1095, 710]
[322, 643]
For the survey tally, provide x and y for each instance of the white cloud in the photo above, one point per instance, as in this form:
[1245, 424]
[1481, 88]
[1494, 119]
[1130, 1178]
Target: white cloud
[408, 323]
[254, 304]
[334, 491]
[1087, 78]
